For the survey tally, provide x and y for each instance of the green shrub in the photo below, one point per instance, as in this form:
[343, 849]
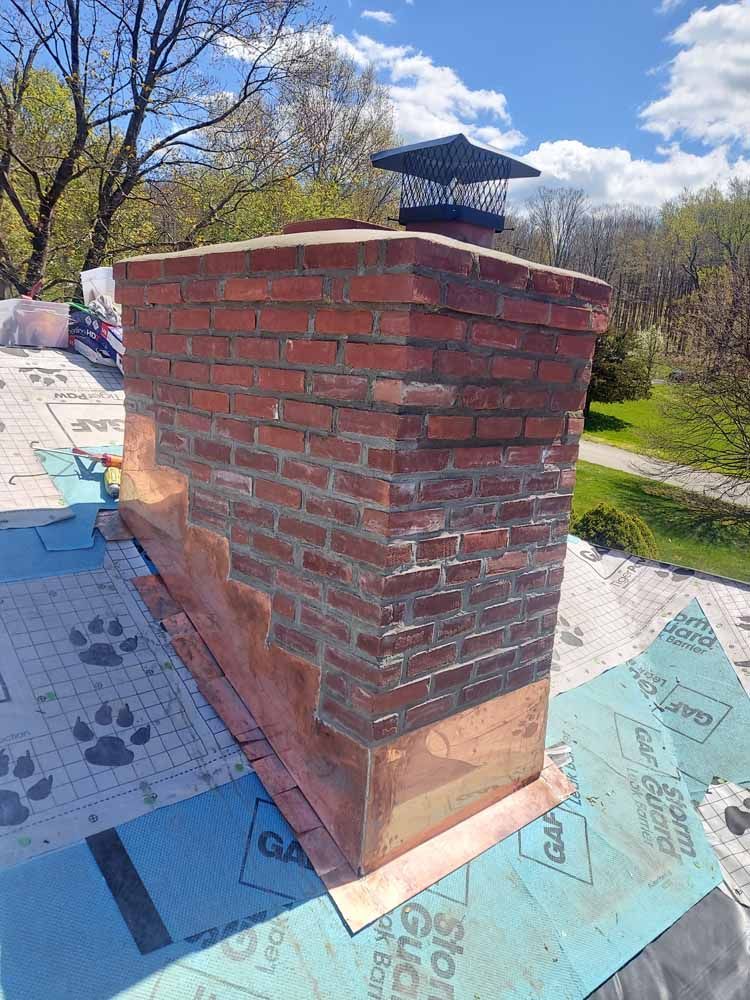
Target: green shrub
[612, 528]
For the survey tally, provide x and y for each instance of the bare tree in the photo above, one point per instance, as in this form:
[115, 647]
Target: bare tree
[557, 215]
[155, 85]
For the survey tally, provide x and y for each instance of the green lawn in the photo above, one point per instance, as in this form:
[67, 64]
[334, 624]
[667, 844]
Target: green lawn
[631, 425]
[682, 536]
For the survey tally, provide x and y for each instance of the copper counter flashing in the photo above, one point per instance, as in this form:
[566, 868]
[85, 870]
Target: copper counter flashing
[360, 899]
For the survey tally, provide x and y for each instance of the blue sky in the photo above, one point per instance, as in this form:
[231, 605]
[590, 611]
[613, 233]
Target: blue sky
[633, 100]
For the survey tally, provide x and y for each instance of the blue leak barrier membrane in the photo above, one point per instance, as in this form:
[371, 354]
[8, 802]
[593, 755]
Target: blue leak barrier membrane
[81, 482]
[694, 693]
[214, 897]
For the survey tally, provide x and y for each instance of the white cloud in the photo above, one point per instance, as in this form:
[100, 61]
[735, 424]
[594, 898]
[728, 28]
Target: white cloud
[383, 16]
[667, 6]
[612, 175]
[709, 79]
[432, 100]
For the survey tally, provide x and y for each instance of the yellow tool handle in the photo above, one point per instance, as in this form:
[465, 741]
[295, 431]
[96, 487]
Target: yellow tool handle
[112, 481]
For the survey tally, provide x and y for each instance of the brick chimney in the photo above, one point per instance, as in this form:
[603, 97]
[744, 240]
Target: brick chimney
[351, 455]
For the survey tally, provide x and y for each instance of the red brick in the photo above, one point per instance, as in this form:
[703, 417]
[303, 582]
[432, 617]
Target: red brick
[130, 295]
[166, 294]
[507, 562]
[431, 659]
[401, 393]
[334, 510]
[434, 549]
[255, 349]
[176, 442]
[212, 451]
[273, 547]
[252, 514]
[456, 626]
[197, 470]
[525, 534]
[308, 414]
[477, 458]
[287, 496]
[463, 572]
[182, 266]
[316, 562]
[165, 415]
[526, 311]
[229, 262]
[230, 480]
[179, 395]
[482, 397]
[490, 593]
[505, 367]
[246, 290]
[334, 627]
[555, 371]
[307, 531]
[539, 343]
[390, 701]
[394, 288]
[472, 299]
[137, 341]
[236, 320]
[232, 375]
[495, 335]
[130, 364]
[552, 283]
[487, 688]
[144, 270]
[345, 387]
[431, 326]
[204, 399]
[363, 487]
[158, 367]
[543, 427]
[460, 364]
[570, 346]
[475, 516]
[261, 407]
[432, 460]
[429, 711]
[274, 259]
[385, 425]
[411, 522]
[455, 428]
[305, 472]
[507, 612]
[260, 461]
[297, 289]
[311, 352]
[388, 357]
[190, 371]
[209, 347]
[153, 318]
[336, 321]
[427, 253]
[574, 425]
[523, 455]
[170, 343]
[245, 564]
[197, 318]
[570, 318]
[332, 256]
[281, 379]
[498, 486]
[281, 437]
[524, 398]
[568, 399]
[499, 427]
[503, 271]
[283, 320]
[205, 290]
[592, 291]
[437, 604]
[484, 541]
[599, 322]
[445, 489]
[335, 448]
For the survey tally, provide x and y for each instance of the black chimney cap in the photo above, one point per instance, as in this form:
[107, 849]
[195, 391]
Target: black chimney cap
[454, 179]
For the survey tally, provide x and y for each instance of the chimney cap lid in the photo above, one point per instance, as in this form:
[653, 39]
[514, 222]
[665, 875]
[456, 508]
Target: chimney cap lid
[493, 166]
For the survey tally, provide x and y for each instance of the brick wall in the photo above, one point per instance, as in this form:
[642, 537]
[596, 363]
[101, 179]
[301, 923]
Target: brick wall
[385, 426]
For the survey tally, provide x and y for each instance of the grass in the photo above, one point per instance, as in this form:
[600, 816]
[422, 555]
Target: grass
[631, 425]
[683, 536]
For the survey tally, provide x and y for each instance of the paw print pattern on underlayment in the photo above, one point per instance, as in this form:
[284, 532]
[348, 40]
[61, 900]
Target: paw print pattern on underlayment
[12, 810]
[104, 652]
[569, 635]
[111, 750]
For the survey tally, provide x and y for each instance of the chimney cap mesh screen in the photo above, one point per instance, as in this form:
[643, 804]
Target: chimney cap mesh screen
[453, 179]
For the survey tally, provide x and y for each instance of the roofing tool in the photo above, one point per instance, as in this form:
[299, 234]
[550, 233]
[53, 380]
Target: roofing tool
[105, 459]
[112, 481]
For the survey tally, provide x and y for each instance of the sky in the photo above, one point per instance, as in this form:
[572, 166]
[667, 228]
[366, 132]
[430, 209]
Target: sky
[631, 100]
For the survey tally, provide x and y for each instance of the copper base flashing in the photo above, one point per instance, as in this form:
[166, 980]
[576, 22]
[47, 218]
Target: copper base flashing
[359, 899]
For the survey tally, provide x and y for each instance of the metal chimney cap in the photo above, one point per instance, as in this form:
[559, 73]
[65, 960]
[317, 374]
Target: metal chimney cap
[453, 180]
[492, 166]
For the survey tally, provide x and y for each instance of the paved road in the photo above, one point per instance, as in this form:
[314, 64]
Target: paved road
[652, 468]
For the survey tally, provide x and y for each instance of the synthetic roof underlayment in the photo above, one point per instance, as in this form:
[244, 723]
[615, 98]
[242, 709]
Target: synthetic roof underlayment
[101, 723]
